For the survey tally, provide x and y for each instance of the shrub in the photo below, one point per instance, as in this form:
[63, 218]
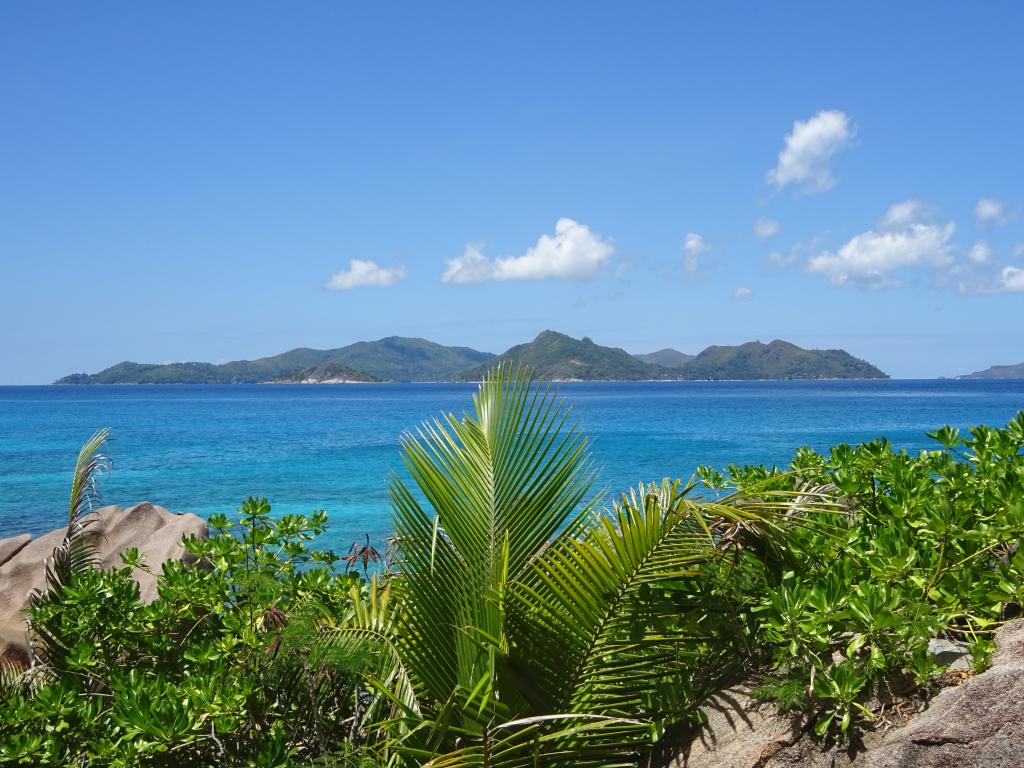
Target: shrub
[221, 669]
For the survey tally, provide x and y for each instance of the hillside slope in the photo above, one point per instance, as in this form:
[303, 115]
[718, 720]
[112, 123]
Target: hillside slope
[777, 360]
[390, 359]
[328, 373]
[666, 358]
[554, 356]
[998, 372]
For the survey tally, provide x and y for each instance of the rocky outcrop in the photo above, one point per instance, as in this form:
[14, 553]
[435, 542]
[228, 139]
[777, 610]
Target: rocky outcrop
[154, 531]
[979, 723]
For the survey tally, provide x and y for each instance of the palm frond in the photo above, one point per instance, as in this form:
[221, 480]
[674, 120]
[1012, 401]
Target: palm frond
[77, 551]
[556, 741]
[595, 634]
[500, 484]
[370, 632]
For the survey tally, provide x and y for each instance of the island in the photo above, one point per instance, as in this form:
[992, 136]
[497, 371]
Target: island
[328, 373]
[553, 356]
[998, 372]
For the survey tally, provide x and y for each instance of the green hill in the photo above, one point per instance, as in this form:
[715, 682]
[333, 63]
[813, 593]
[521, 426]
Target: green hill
[998, 372]
[403, 359]
[328, 373]
[555, 356]
[666, 358]
[777, 360]
[391, 359]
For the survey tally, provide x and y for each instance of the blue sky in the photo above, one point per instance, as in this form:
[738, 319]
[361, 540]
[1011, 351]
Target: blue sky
[209, 181]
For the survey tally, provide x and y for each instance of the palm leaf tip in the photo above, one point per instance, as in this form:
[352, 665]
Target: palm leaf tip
[89, 467]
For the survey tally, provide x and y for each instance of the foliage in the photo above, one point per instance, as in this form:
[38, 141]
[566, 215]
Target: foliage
[536, 628]
[219, 670]
[522, 622]
[928, 545]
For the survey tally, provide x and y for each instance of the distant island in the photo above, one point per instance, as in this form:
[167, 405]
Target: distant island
[666, 358]
[328, 373]
[777, 360]
[390, 359]
[553, 356]
[998, 372]
[557, 357]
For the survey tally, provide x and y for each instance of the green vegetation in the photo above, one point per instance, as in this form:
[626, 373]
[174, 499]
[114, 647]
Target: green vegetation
[391, 359]
[998, 372]
[666, 358]
[326, 374]
[777, 360]
[557, 357]
[401, 359]
[522, 622]
[553, 356]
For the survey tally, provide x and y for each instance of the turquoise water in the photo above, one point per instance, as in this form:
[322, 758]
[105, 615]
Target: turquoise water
[204, 448]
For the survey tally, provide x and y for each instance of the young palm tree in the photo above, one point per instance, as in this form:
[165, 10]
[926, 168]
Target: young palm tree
[523, 625]
[77, 550]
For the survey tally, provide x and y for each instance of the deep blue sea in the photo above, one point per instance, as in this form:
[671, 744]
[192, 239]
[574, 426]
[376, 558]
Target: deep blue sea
[204, 448]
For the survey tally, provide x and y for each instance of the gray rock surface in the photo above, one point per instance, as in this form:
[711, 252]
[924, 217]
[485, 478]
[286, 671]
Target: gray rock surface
[12, 546]
[156, 533]
[952, 654]
[978, 724]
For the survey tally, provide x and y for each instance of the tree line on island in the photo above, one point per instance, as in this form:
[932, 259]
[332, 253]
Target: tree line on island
[554, 356]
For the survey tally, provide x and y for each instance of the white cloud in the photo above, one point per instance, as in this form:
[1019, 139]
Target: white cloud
[365, 274]
[980, 252]
[1011, 280]
[902, 214]
[1018, 251]
[572, 253]
[742, 293]
[809, 149]
[868, 259]
[765, 227]
[780, 259]
[693, 246]
[991, 212]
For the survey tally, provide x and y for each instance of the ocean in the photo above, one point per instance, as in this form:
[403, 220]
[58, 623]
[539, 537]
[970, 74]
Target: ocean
[203, 449]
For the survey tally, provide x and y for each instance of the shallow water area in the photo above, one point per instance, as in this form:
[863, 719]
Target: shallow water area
[204, 448]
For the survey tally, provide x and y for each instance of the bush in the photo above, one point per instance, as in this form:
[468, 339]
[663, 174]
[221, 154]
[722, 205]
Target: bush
[523, 622]
[221, 669]
[922, 546]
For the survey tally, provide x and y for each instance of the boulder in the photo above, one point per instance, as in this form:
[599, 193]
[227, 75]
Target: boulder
[154, 531]
[979, 723]
[12, 546]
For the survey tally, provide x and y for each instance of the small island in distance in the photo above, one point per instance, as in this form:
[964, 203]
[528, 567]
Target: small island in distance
[553, 356]
[998, 372]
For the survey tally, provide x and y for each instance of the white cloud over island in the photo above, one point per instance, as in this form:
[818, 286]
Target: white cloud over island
[574, 252]
[365, 274]
[805, 159]
[1011, 280]
[980, 252]
[901, 214]
[869, 259]
[693, 246]
[991, 212]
